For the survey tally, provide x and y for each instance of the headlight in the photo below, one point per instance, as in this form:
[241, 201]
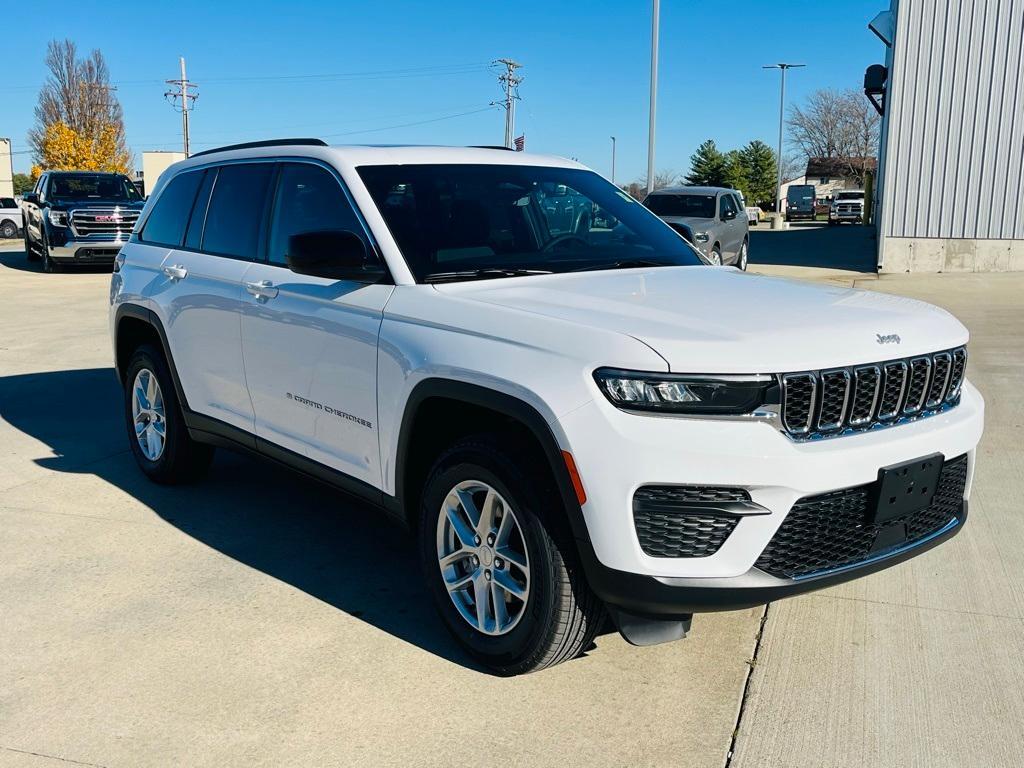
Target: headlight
[684, 393]
[700, 237]
[58, 218]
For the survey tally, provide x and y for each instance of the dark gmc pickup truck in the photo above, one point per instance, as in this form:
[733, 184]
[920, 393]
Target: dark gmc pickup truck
[79, 217]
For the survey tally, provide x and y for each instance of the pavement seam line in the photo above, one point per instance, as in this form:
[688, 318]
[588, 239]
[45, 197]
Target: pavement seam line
[746, 688]
[916, 607]
[51, 757]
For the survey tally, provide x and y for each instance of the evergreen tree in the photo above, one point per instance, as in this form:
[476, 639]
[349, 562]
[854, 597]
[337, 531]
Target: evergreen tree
[761, 171]
[707, 166]
[736, 172]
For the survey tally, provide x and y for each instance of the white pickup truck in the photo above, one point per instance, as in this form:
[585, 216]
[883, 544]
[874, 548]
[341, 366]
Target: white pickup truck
[10, 218]
[847, 205]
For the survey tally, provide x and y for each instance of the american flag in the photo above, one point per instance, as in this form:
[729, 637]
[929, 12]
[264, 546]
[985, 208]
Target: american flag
[520, 143]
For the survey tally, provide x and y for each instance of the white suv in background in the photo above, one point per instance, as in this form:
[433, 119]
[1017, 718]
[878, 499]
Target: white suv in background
[573, 413]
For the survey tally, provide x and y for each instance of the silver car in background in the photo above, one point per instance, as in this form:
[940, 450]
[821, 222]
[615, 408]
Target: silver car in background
[721, 230]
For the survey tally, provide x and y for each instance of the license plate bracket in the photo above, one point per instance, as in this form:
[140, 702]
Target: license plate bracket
[905, 488]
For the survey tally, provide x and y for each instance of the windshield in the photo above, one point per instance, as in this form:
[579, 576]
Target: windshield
[464, 221]
[800, 193]
[850, 196]
[695, 206]
[94, 187]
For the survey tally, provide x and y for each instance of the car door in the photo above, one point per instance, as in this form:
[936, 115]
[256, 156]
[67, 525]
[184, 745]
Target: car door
[727, 226]
[199, 290]
[741, 224]
[310, 343]
[33, 211]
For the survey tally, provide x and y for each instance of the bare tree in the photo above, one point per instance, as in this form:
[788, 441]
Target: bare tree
[835, 124]
[663, 178]
[78, 94]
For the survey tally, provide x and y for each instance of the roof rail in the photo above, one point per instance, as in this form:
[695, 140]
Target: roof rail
[268, 143]
[490, 146]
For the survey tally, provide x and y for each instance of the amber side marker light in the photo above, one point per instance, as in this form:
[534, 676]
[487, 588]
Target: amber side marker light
[574, 474]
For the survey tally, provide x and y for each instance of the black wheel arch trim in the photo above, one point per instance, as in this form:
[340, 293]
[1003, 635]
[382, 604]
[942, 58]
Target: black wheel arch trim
[500, 402]
[148, 316]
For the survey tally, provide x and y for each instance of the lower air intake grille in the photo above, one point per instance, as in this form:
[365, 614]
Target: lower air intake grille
[670, 521]
[831, 530]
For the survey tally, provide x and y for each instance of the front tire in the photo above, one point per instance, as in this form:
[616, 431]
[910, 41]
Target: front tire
[507, 586]
[49, 265]
[156, 427]
[716, 256]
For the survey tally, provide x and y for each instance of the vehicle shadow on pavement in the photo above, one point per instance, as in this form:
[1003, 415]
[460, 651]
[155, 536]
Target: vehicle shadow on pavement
[334, 548]
[19, 261]
[847, 246]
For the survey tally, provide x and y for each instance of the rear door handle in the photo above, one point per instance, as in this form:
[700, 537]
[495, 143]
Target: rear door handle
[264, 289]
[176, 272]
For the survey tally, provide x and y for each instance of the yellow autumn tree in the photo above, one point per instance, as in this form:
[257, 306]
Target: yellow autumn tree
[79, 124]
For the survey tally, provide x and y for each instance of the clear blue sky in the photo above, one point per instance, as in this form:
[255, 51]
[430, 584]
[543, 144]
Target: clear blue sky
[585, 69]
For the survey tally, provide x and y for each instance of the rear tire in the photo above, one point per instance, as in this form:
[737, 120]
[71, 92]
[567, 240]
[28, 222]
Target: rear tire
[551, 615]
[163, 448]
[741, 260]
[9, 230]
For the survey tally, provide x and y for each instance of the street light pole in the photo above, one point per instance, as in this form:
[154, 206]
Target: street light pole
[782, 105]
[613, 159]
[654, 95]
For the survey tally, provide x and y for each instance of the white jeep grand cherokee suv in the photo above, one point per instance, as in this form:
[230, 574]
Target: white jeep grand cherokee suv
[572, 412]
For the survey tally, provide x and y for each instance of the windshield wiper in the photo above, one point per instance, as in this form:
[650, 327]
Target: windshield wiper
[624, 264]
[482, 274]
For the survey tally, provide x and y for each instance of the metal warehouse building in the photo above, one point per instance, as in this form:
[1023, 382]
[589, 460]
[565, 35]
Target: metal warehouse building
[951, 162]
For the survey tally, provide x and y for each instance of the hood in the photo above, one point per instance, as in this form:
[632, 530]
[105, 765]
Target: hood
[720, 320]
[696, 223]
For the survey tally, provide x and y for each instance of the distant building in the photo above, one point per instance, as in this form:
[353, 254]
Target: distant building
[153, 164]
[6, 169]
[831, 174]
[951, 160]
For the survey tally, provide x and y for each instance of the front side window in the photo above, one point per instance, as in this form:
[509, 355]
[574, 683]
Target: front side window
[728, 204]
[692, 206]
[460, 221]
[169, 217]
[309, 199]
[236, 209]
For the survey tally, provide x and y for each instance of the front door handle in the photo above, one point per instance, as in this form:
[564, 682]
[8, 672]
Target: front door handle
[176, 272]
[264, 289]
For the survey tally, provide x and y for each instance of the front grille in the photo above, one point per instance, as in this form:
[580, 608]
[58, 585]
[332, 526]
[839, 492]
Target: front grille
[103, 222]
[831, 530]
[819, 404]
[680, 521]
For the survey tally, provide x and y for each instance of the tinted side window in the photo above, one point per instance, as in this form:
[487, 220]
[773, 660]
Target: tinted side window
[7, 202]
[727, 204]
[194, 235]
[236, 209]
[166, 224]
[309, 199]
[736, 200]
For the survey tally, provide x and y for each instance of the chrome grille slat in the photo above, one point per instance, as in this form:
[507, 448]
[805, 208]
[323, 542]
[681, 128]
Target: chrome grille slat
[839, 401]
[84, 223]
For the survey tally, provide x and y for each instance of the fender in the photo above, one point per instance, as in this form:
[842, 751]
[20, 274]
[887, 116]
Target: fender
[153, 320]
[506, 405]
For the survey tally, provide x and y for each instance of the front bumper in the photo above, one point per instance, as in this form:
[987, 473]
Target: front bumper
[618, 452]
[677, 598]
[87, 251]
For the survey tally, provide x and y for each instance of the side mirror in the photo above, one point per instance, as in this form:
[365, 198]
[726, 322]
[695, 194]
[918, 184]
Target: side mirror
[30, 197]
[682, 230]
[334, 254]
[728, 215]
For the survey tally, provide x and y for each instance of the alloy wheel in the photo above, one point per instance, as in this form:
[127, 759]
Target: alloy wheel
[482, 555]
[149, 415]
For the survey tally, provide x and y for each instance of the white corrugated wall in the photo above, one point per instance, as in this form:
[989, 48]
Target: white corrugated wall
[954, 154]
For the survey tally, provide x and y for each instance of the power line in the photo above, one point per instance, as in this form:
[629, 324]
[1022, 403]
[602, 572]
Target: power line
[510, 83]
[182, 99]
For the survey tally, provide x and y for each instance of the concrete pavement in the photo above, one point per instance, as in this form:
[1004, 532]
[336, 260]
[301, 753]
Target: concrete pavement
[257, 619]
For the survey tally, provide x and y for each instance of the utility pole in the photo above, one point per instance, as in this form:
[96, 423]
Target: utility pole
[782, 105]
[510, 82]
[613, 159]
[182, 98]
[654, 95]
